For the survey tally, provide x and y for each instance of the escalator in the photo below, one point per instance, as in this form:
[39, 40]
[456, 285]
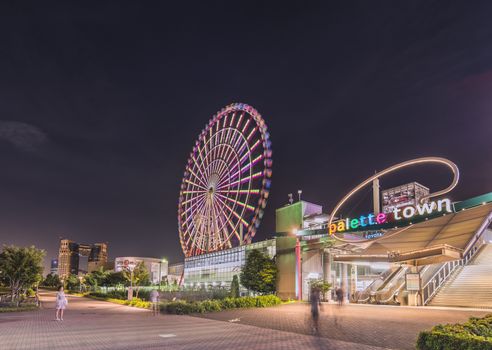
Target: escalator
[390, 288]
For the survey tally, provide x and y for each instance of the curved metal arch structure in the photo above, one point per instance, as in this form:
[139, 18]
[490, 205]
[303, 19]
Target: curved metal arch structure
[438, 160]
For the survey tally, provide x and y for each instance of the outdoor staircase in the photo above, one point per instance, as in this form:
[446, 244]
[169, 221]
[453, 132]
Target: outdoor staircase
[470, 285]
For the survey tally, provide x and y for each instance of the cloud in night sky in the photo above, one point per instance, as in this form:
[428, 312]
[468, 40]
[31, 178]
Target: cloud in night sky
[23, 136]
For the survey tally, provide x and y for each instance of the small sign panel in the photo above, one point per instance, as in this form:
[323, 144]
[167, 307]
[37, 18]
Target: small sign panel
[413, 281]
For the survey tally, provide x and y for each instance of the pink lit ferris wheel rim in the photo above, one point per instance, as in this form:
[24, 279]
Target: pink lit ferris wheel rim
[226, 182]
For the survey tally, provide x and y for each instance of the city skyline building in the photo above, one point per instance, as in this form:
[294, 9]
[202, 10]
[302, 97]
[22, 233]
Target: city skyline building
[54, 266]
[69, 257]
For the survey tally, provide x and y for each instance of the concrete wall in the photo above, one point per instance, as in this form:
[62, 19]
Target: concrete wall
[286, 264]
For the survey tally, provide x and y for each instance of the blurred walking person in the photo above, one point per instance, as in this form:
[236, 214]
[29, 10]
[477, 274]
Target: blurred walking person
[315, 301]
[339, 293]
[154, 299]
[61, 303]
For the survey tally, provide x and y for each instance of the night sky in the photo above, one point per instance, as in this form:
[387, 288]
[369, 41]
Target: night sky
[100, 106]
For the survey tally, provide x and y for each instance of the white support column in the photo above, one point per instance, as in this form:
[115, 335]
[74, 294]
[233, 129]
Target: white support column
[345, 283]
[327, 272]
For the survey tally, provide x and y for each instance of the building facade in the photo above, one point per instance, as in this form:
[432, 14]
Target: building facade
[217, 269]
[175, 273]
[69, 257]
[390, 269]
[157, 268]
[54, 267]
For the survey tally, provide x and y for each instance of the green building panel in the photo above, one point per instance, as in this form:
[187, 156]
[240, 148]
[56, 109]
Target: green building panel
[289, 217]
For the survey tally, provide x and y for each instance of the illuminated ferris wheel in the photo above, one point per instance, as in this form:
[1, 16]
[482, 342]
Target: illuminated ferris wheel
[226, 182]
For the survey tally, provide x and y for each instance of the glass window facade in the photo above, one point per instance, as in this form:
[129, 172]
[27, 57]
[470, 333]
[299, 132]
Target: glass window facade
[218, 268]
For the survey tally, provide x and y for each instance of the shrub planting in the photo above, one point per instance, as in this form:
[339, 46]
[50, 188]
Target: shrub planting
[135, 302]
[475, 334]
[182, 307]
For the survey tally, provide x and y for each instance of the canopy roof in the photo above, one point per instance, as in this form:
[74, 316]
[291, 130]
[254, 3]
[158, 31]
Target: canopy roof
[441, 239]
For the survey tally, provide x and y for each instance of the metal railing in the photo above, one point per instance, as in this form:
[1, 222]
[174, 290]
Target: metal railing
[447, 269]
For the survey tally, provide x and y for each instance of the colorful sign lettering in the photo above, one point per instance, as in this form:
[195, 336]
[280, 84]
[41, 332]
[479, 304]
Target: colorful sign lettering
[406, 213]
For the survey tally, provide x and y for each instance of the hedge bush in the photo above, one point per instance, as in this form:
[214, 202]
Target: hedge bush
[181, 307]
[18, 308]
[476, 334]
[135, 302]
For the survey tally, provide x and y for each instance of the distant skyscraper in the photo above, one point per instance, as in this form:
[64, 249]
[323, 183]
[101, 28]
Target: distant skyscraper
[54, 267]
[98, 257]
[70, 251]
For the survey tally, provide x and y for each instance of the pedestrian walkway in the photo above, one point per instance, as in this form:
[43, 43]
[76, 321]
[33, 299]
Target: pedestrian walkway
[91, 324]
[392, 327]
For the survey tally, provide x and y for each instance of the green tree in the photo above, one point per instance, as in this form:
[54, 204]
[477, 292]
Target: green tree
[322, 285]
[51, 280]
[259, 273]
[141, 276]
[235, 287]
[96, 278]
[72, 282]
[116, 278]
[21, 268]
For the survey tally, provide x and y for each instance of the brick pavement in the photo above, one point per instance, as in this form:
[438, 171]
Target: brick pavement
[384, 326]
[91, 324]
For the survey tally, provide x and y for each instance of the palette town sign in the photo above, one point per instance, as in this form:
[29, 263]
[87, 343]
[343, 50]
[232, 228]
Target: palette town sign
[408, 213]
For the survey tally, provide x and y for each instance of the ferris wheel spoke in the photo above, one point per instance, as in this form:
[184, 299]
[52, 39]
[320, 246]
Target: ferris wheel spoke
[194, 191]
[207, 147]
[195, 184]
[211, 145]
[197, 227]
[246, 179]
[203, 159]
[224, 141]
[252, 191]
[252, 133]
[217, 229]
[217, 165]
[246, 125]
[239, 120]
[244, 205]
[198, 201]
[232, 150]
[232, 119]
[246, 167]
[196, 176]
[198, 210]
[233, 212]
[243, 158]
[197, 165]
[230, 158]
[190, 200]
[223, 228]
[229, 222]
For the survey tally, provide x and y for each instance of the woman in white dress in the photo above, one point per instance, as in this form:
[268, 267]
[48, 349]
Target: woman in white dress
[61, 303]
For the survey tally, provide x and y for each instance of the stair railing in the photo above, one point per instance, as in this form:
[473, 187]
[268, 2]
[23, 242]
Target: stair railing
[435, 283]
[447, 269]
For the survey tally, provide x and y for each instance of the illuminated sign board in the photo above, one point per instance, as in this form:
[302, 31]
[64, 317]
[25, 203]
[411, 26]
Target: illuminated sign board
[371, 221]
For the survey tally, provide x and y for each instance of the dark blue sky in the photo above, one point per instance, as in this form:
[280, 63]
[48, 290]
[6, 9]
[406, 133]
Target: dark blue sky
[100, 105]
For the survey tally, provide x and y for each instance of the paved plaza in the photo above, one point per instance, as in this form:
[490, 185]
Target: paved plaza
[91, 324]
[391, 327]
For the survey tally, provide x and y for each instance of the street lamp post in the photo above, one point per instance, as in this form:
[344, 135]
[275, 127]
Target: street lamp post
[130, 268]
[160, 271]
